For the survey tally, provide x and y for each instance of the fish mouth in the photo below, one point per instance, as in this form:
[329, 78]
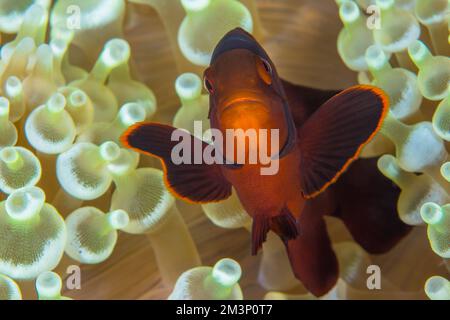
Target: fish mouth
[243, 101]
[239, 102]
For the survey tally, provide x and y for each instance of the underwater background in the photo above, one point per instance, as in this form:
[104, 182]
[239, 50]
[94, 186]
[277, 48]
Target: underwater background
[166, 236]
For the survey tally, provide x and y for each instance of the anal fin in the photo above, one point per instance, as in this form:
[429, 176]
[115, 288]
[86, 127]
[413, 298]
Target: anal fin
[283, 224]
[260, 227]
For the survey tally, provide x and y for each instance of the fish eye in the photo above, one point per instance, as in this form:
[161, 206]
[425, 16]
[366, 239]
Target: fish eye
[267, 66]
[264, 70]
[208, 84]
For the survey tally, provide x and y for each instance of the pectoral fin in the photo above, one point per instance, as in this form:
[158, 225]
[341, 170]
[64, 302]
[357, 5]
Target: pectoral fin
[334, 135]
[199, 183]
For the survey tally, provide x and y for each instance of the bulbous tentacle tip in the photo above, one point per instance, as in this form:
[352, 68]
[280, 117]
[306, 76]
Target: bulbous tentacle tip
[388, 165]
[60, 38]
[44, 52]
[195, 5]
[418, 51]
[437, 288]
[118, 219]
[9, 290]
[227, 272]
[48, 285]
[188, 86]
[109, 151]
[131, 113]
[35, 14]
[78, 98]
[9, 155]
[25, 203]
[445, 171]
[375, 57]
[431, 213]
[57, 102]
[24, 47]
[13, 86]
[348, 11]
[59, 47]
[116, 52]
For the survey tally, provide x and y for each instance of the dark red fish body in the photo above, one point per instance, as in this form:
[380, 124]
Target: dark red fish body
[319, 133]
[282, 189]
[277, 205]
[249, 96]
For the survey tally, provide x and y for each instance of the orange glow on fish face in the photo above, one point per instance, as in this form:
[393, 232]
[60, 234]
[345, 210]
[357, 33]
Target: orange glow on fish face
[232, 84]
[246, 114]
[242, 96]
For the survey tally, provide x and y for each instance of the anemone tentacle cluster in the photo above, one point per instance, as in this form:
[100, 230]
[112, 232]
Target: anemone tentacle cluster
[418, 122]
[60, 125]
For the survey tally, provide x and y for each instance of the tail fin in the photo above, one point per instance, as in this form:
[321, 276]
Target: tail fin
[366, 201]
[312, 258]
[367, 204]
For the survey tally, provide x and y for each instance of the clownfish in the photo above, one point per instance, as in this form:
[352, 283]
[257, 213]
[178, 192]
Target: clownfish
[320, 133]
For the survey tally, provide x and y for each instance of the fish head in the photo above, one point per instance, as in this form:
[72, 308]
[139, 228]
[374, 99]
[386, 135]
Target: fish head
[243, 85]
[246, 91]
